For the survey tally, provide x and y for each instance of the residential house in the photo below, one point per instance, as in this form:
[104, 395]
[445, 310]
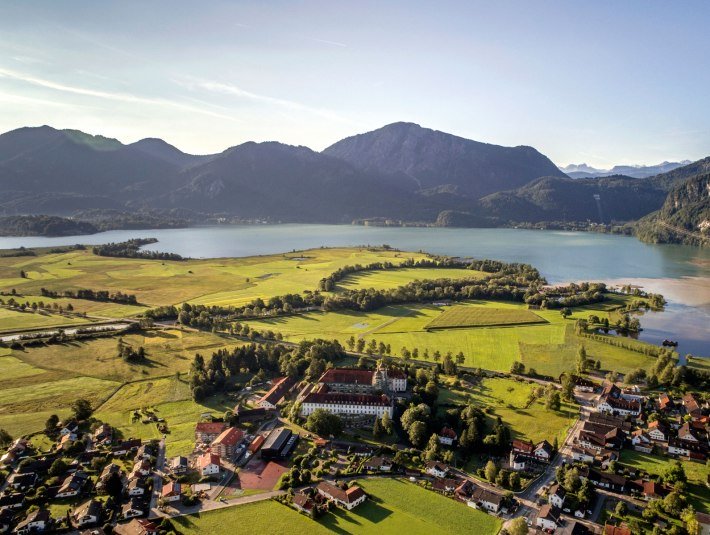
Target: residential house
[209, 464]
[141, 468]
[207, 432]
[548, 517]
[465, 490]
[106, 473]
[348, 498]
[70, 428]
[608, 481]
[178, 465]
[87, 514]
[613, 401]
[137, 526]
[171, 492]
[649, 490]
[556, 495]
[137, 487]
[146, 452]
[225, 445]
[134, 508]
[544, 451]
[686, 433]
[445, 484]
[304, 503]
[523, 447]
[36, 521]
[72, 485]
[279, 389]
[691, 406]
[379, 464]
[15, 500]
[485, 499]
[103, 434]
[583, 455]
[623, 529]
[436, 469]
[641, 441]
[22, 482]
[126, 446]
[448, 436]
[517, 461]
[686, 448]
[658, 431]
[665, 403]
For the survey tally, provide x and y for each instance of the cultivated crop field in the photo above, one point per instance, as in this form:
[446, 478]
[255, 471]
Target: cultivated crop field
[396, 506]
[471, 316]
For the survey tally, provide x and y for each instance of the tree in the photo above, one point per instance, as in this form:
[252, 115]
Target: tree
[514, 480]
[324, 423]
[387, 425]
[568, 388]
[673, 503]
[675, 472]
[415, 413]
[5, 438]
[432, 451]
[566, 312]
[417, 433]
[491, 470]
[552, 399]
[572, 480]
[692, 526]
[81, 409]
[518, 526]
[377, 428]
[114, 485]
[582, 362]
[59, 466]
[50, 426]
[620, 508]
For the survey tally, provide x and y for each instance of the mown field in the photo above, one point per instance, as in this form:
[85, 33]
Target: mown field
[472, 316]
[698, 493]
[11, 320]
[550, 348]
[391, 279]
[509, 398]
[261, 517]
[220, 281]
[396, 506]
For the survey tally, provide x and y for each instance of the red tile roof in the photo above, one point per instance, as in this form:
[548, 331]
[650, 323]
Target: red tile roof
[350, 495]
[448, 433]
[347, 376]
[229, 437]
[210, 428]
[336, 398]
[277, 391]
[207, 459]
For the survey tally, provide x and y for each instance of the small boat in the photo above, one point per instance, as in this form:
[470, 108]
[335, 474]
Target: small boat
[669, 343]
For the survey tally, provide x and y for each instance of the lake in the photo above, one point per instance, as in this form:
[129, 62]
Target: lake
[679, 272]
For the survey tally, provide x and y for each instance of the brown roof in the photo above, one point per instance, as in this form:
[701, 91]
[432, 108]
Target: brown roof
[277, 391]
[348, 496]
[448, 433]
[347, 376]
[171, 488]
[137, 526]
[256, 443]
[336, 398]
[303, 501]
[229, 437]
[210, 428]
[549, 511]
[616, 530]
[521, 445]
[207, 459]
[691, 404]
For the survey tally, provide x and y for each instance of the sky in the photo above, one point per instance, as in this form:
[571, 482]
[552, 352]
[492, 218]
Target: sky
[601, 82]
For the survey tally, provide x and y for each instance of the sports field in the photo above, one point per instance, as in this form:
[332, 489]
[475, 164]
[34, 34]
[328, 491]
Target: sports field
[472, 316]
[395, 506]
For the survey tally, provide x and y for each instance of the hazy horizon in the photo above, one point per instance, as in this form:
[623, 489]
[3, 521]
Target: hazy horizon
[604, 84]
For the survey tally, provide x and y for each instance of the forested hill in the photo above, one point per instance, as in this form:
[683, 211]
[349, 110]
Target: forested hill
[431, 159]
[684, 216]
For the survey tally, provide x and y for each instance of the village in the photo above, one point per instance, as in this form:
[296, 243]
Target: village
[94, 480]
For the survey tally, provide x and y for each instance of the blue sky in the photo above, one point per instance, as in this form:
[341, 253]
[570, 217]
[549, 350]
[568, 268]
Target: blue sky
[602, 82]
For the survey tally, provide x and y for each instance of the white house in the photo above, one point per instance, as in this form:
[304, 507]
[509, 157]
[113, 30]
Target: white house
[379, 464]
[36, 521]
[548, 517]
[133, 509]
[209, 464]
[543, 451]
[641, 441]
[517, 461]
[72, 485]
[485, 499]
[347, 405]
[556, 496]
[657, 431]
[582, 455]
[137, 487]
[171, 492]
[87, 514]
[348, 498]
[448, 436]
[436, 469]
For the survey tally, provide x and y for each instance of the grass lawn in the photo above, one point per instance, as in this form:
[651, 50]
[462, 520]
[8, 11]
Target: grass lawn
[393, 278]
[508, 399]
[262, 517]
[167, 352]
[171, 400]
[13, 320]
[698, 492]
[396, 506]
[469, 316]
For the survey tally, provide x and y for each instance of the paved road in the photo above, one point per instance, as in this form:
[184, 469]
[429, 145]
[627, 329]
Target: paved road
[157, 479]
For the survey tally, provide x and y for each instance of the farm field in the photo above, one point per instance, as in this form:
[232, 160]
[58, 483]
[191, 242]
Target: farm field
[698, 492]
[169, 398]
[221, 281]
[262, 517]
[12, 320]
[395, 506]
[550, 348]
[508, 399]
[167, 352]
[470, 316]
[391, 279]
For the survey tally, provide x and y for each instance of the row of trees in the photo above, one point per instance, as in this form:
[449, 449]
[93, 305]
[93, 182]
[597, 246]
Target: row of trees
[92, 295]
[132, 249]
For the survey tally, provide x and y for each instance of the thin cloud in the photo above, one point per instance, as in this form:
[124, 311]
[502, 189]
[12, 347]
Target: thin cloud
[106, 95]
[327, 42]
[233, 90]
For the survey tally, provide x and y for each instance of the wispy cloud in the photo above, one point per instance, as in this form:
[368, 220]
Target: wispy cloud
[233, 90]
[106, 95]
[327, 42]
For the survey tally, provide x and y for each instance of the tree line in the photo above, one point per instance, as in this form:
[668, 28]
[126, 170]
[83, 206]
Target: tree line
[132, 249]
[92, 295]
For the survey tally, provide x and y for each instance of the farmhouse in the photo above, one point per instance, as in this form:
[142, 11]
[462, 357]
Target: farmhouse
[279, 389]
[207, 432]
[605, 480]
[348, 498]
[225, 445]
[613, 401]
[209, 464]
[447, 436]
[583, 455]
[348, 406]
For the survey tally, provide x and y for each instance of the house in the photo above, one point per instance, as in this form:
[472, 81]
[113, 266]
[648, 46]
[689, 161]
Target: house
[445, 484]
[178, 465]
[356, 381]
[544, 451]
[485, 499]
[605, 480]
[548, 518]
[15, 500]
[665, 403]
[137, 487]
[137, 526]
[106, 473]
[171, 492]
[207, 432]
[641, 441]
[583, 455]
[256, 444]
[649, 490]
[556, 495]
[521, 446]
[244, 415]
[225, 445]
[687, 434]
[610, 421]
[448, 436]
[304, 503]
[126, 446]
[70, 428]
[22, 482]
[348, 406]
[279, 389]
[103, 434]
[209, 464]
[379, 464]
[436, 469]
[658, 431]
[348, 498]
[135, 507]
[685, 448]
[518, 462]
[87, 514]
[465, 490]
[614, 401]
[140, 469]
[146, 452]
[691, 406]
[72, 485]
[38, 520]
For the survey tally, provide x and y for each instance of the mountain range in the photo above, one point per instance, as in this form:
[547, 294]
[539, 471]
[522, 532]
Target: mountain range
[583, 170]
[398, 173]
